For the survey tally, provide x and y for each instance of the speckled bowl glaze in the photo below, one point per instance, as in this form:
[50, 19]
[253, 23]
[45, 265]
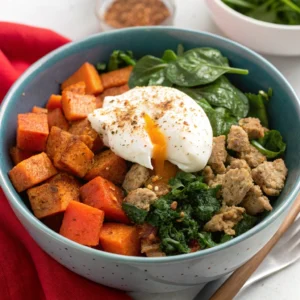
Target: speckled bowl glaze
[162, 274]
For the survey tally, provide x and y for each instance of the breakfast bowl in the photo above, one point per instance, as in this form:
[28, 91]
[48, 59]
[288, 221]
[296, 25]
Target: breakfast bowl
[263, 37]
[151, 274]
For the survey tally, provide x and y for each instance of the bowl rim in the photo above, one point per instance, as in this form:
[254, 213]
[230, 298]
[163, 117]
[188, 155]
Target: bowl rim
[242, 17]
[15, 199]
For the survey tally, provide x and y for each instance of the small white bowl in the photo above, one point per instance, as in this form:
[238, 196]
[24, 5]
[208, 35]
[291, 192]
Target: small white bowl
[263, 37]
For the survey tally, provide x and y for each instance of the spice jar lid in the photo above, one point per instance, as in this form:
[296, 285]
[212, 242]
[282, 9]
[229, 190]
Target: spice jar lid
[116, 14]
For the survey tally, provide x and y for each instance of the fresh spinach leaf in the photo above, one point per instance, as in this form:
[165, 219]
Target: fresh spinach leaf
[271, 145]
[257, 107]
[169, 55]
[199, 66]
[118, 59]
[180, 50]
[222, 93]
[135, 214]
[245, 224]
[149, 70]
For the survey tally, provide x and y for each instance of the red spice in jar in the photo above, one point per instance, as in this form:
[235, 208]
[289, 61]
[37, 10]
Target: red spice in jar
[129, 13]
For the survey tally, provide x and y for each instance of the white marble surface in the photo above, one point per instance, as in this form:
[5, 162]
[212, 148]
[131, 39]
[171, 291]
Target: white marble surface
[76, 19]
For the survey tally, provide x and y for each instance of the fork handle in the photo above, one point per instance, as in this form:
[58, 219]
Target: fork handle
[235, 282]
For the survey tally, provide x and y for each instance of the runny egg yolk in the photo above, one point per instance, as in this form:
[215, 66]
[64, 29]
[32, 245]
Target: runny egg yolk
[159, 143]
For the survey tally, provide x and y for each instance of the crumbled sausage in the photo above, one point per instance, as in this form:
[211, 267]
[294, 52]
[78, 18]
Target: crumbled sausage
[253, 157]
[236, 163]
[270, 176]
[141, 198]
[151, 249]
[236, 184]
[237, 139]
[218, 155]
[208, 174]
[158, 186]
[135, 177]
[255, 202]
[253, 127]
[225, 220]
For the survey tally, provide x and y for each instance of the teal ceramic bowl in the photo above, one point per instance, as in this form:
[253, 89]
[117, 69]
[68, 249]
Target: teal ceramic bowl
[140, 273]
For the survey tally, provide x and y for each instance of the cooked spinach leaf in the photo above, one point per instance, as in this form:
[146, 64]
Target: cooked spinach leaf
[271, 145]
[135, 214]
[225, 238]
[199, 66]
[245, 224]
[222, 93]
[205, 240]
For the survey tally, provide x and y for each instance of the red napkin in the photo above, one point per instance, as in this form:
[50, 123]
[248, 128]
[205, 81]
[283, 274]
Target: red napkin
[26, 271]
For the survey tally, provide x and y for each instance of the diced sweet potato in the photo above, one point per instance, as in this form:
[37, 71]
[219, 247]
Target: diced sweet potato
[57, 118]
[114, 91]
[116, 78]
[89, 75]
[19, 155]
[39, 110]
[87, 134]
[109, 166]
[77, 88]
[54, 196]
[31, 172]
[104, 195]
[68, 152]
[82, 223]
[120, 239]
[77, 158]
[77, 107]
[32, 132]
[54, 102]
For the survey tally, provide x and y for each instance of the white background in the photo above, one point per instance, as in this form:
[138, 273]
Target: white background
[76, 19]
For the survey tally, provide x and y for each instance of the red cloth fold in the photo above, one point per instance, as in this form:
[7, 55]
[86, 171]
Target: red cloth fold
[26, 271]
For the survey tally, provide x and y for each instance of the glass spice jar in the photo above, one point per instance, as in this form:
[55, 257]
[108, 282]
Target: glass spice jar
[116, 14]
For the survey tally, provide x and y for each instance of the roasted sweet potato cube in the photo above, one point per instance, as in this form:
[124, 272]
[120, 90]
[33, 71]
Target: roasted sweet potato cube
[87, 134]
[58, 141]
[103, 194]
[57, 118]
[77, 107]
[77, 158]
[87, 73]
[77, 88]
[39, 110]
[19, 155]
[114, 91]
[54, 101]
[32, 132]
[116, 78]
[120, 239]
[109, 166]
[31, 172]
[82, 223]
[54, 196]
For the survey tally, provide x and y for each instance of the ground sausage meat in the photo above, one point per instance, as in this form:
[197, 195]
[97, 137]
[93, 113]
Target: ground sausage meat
[270, 176]
[225, 220]
[208, 174]
[253, 157]
[255, 202]
[141, 198]
[237, 139]
[236, 163]
[218, 180]
[218, 155]
[236, 184]
[253, 127]
[135, 177]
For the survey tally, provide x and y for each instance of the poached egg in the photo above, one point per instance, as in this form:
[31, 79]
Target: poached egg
[149, 125]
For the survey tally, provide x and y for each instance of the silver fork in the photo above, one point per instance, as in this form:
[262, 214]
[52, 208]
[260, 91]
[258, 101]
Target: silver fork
[285, 253]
